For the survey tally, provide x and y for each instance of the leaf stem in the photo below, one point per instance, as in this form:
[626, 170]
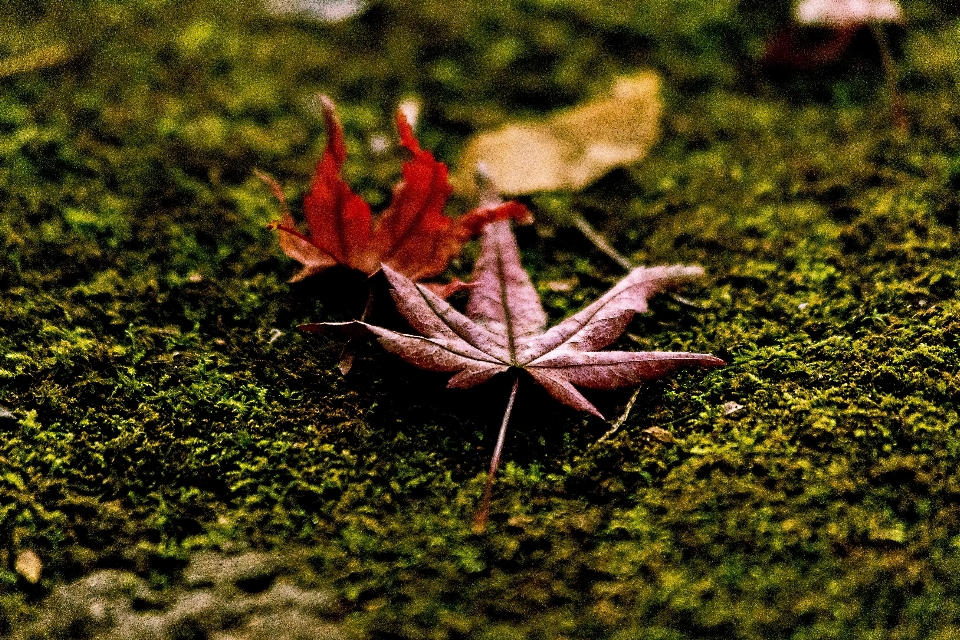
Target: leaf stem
[480, 519]
[621, 419]
[890, 76]
[599, 241]
[346, 356]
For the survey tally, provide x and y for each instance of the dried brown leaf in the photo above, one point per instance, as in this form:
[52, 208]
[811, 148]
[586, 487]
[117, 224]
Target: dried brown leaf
[29, 565]
[572, 148]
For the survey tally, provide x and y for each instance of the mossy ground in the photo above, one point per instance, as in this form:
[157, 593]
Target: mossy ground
[161, 401]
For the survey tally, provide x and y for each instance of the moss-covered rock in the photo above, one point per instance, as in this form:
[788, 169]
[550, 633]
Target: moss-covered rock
[223, 596]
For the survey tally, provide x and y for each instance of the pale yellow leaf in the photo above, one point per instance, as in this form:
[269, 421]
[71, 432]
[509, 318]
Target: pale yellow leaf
[573, 147]
[29, 566]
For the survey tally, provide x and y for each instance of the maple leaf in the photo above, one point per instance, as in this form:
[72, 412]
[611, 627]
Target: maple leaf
[504, 329]
[412, 236]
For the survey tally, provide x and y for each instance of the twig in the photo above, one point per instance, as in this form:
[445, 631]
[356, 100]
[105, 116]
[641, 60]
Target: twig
[480, 519]
[599, 241]
[621, 419]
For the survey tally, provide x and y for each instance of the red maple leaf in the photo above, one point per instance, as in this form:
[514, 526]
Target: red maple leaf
[413, 236]
[504, 329]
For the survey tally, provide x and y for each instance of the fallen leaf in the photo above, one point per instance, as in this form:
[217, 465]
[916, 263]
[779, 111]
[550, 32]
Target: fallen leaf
[731, 407]
[29, 565]
[660, 434]
[562, 286]
[843, 13]
[504, 329]
[321, 10]
[572, 148]
[413, 236]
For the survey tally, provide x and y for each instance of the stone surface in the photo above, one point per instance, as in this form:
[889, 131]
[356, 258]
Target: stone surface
[219, 596]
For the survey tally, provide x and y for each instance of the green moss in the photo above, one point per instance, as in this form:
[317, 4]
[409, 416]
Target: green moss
[162, 400]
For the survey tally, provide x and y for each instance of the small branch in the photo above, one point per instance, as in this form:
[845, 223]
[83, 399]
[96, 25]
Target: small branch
[621, 419]
[480, 519]
[346, 356]
[890, 76]
[599, 241]
[684, 301]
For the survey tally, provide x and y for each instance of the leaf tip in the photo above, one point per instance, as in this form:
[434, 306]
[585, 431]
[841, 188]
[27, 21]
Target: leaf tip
[335, 144]
[713, 361]
[326, 104]
[387, 271]
[346, 361]
[407, 139]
